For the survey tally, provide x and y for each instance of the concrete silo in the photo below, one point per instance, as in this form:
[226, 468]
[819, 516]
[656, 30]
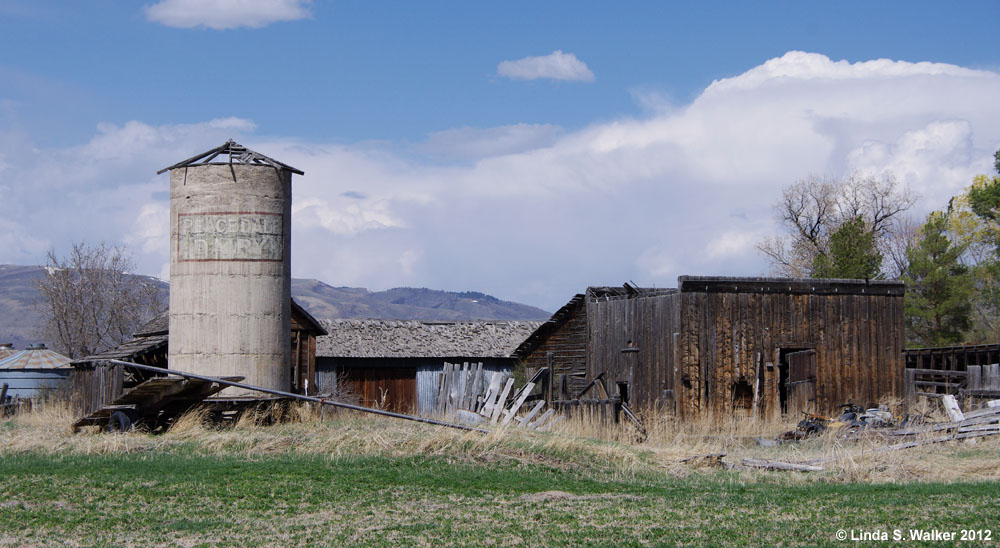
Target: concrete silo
[230, 266]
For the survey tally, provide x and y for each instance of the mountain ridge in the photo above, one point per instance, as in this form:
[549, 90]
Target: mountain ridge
[20, 323]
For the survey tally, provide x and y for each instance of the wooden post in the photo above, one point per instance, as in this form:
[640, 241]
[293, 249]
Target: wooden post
[472, 393]
[516, 406]
[973, 374]
[534, 411]
[443, 389]
[951, 406]
[550, 378]
[498, 407]
[297, 369]
[909, 387]
[492, 392]
[756, 389]
[541, 420]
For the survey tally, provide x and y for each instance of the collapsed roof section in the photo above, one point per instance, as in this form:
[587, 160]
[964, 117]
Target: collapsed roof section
[235, 153]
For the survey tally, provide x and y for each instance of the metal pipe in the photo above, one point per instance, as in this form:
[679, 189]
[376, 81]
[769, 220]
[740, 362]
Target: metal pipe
[297, 396]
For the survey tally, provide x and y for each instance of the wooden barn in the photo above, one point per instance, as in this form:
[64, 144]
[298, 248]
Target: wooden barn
[97, 382]
[718, 345]
[396, 364]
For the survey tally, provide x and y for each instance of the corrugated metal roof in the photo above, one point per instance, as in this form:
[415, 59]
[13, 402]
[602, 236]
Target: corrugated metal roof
[6, 351]
[35, 358]
[415, 339]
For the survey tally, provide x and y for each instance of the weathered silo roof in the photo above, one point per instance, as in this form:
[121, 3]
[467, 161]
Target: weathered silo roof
[236, 153]
[415, 339]
[35, 357]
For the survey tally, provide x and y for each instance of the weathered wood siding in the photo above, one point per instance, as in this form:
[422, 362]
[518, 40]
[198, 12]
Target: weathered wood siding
[631, 340]
[733, 327]
[362, 377]
[565, 350]
[303, 354]
[97, 386]
[429, 379]
[392, 388]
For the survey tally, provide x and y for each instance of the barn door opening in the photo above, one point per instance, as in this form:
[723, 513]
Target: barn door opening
[784, 367]
[799, 382]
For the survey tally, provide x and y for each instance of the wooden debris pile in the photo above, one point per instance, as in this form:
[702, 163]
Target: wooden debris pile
[465, 393]
[963, 425]
[971, 424]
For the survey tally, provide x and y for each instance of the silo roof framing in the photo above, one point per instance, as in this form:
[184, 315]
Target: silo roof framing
[237, 153]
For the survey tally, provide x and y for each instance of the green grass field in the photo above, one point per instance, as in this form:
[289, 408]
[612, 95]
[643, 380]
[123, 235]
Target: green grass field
[359, 482]
[291, 500]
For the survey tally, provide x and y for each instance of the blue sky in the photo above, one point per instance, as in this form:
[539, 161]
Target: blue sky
[428, 163]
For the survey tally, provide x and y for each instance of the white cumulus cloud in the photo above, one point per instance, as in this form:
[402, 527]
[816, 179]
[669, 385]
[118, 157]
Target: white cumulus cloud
[226, 14]
[555, 66]
[535, 213]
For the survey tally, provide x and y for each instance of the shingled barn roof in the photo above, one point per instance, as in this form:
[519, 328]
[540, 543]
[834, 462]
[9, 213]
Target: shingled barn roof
[129, 351]
[415, 339]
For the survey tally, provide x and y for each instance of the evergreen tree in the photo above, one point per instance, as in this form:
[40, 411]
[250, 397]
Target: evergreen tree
[938, 287]
[983, 198]
[853, 253]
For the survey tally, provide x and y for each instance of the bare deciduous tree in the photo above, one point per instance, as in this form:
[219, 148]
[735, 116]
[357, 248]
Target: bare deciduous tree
[812, 209]
[903, 236]
[91, 300]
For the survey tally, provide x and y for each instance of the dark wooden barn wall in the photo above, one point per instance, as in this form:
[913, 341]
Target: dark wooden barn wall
[303, 362]
[397, 384]
[303, 356]
[646, 324]
[858, 341]
[565, 349]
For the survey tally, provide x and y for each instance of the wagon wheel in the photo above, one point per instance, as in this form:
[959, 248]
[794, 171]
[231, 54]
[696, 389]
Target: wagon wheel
[120, 421]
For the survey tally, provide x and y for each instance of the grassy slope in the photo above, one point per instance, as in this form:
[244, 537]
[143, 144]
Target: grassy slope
[355, 481]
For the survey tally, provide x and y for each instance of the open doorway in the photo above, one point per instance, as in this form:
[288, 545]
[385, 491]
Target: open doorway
[742, 395]
[783, 372]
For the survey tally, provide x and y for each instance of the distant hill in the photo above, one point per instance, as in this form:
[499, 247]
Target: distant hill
[407, 303]
[18, 320]
[19, 323]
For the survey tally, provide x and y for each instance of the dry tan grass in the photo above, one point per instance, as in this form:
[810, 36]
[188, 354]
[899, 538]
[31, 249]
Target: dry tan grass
[583, 441]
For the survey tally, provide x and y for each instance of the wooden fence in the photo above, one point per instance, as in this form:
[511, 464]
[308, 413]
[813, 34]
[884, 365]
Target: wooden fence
[983, 380]
[976, 380]
[465, 392]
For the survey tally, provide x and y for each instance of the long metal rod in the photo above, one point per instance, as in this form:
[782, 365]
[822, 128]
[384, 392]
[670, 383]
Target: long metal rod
[297, 396]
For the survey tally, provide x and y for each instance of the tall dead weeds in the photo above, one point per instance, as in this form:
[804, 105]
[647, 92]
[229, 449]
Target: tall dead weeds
[583, 441]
